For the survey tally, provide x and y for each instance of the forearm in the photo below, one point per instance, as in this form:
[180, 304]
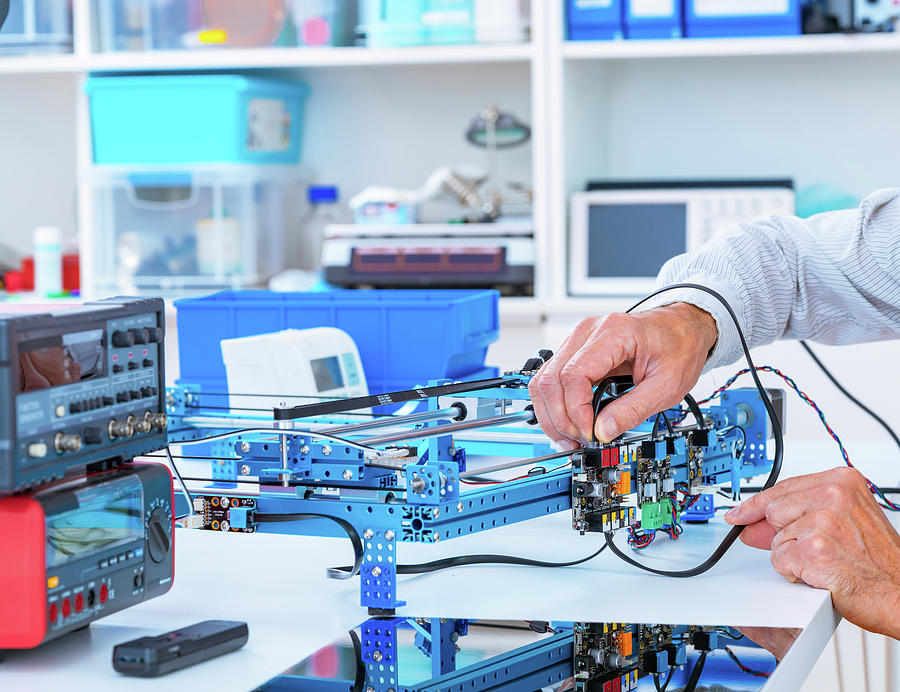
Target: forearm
[833, 278]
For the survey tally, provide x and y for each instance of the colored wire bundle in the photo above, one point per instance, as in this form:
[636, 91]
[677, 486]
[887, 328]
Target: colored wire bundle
[885, 502]
[737, 662]
[639, 539]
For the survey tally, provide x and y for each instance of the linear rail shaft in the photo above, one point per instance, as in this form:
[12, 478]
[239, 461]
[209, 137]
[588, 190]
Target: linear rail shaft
[452, 412]
[526, 416]
[515, 464]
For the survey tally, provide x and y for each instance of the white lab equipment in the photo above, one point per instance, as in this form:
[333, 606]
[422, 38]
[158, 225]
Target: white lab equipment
[293, 367]
[47, 260]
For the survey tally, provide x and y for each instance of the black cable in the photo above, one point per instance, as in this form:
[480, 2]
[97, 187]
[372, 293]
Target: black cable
[184, 487]
[696, 672]
[360, 677]
[665, 685]
[843, 390]
[735, 531]
[464, 560]
[355, 540]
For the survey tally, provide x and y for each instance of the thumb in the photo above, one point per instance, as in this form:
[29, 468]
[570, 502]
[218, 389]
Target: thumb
[632, 409]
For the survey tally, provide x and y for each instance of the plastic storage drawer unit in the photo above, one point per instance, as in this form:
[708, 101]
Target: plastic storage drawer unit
[195, 119]
[592, 20]
[405, 338]
[143, 25]
[648, 19]
[37, 26]
[202, 229]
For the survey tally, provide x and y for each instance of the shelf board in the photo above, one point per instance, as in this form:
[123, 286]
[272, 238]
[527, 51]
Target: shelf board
[39, 64]
[823, 44]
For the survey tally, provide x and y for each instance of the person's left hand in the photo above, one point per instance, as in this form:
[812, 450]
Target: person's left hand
[826, 530]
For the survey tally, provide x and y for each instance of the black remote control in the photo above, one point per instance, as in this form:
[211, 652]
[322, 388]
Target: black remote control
[148, 657]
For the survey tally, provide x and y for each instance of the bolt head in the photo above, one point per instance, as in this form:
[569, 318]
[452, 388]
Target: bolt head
[376, 571]
[245, 447]
[369, 688]
[367, 534]
[454, 636]
[245, 470]
[436, 536]
[377, 655]
[389, 535]
[347, 475]
[304, 449]
[436, 513]
[326, 450]
[459, 506]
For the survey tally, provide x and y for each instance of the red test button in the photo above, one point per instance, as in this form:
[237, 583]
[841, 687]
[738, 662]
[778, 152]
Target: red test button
[66, 608]
[54, 612]
[104, 593]
[79, 602]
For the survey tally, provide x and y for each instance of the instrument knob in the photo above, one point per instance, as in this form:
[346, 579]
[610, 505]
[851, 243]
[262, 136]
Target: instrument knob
[122, 339]
[159, 533]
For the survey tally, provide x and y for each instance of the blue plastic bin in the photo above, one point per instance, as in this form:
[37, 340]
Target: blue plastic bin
[701, 22]
[593, 20]
[195, 119]
[649, 19]
[404, 338]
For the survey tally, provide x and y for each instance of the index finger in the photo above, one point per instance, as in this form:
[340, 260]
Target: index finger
[754, 509]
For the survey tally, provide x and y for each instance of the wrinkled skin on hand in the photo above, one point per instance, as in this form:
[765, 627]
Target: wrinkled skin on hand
[663, 349]
[826, 530]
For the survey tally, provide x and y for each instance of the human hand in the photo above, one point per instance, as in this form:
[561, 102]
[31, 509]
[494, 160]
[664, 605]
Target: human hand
[826, 530]
[663, 349]
[775, 640]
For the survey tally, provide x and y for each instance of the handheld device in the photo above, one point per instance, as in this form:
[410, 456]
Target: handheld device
[322, 361]
[84, 386]
[148, 657]
[81, 549]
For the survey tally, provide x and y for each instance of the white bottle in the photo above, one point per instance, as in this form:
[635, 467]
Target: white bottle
[47, 260]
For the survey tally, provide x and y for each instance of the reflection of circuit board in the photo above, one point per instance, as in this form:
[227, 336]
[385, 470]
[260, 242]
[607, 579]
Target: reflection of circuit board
[604, 657]
[223, 513]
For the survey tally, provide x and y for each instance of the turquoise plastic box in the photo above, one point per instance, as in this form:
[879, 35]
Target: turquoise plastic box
[195, 119]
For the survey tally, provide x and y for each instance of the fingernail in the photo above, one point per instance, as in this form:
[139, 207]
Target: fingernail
[566, 445]
[607, 429]
[733, 513]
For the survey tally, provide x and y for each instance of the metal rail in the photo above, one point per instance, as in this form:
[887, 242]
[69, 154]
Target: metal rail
[526, 416]
[453, 412]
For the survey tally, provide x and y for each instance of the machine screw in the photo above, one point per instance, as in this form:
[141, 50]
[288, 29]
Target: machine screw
[245, 447]
[459, 506]
[304, 449]
[417, 485]
[377, 656]
[369, 688]
[388, 535]
[451, 451]
[347, 475]
[224, 526]
[367, 534]
[245, 470]
[326, 450]
[170, 399]
[454, 636]
[376, 571]
[436, 536]
[436, 513]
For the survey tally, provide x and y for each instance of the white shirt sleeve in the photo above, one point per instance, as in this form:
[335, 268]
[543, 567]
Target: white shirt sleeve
[833, 278]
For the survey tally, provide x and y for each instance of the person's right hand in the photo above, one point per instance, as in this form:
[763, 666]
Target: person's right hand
[663, 349]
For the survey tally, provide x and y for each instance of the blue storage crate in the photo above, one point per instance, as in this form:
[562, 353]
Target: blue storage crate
[650, 19]
[404, 338]
[195, 119]
[712, 18]
[592, 20]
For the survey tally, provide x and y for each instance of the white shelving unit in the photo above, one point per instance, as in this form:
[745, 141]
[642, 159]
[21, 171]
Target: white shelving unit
[605, 108]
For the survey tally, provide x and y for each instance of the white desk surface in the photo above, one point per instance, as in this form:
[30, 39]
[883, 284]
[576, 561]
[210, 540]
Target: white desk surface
[277, 584]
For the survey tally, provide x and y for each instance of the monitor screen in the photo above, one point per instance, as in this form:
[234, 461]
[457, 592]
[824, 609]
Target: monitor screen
[61, 360]
[626, 240]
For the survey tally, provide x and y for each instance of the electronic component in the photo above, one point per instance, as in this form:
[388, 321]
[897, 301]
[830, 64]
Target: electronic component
[85, 386]
[148, 657]
[84, 548]
[621, 232]
[322, 361]
[470, 255]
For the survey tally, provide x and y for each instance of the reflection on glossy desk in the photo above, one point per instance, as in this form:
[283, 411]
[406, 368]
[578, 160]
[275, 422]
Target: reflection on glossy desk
[405, 654]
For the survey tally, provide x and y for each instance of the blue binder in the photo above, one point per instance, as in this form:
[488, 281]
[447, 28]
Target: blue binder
[709, 18]
[594, 20]
[653, 18]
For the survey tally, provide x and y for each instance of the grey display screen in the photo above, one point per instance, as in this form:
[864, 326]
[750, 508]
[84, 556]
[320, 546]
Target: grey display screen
[634, 240]
[61, 360]
[327, 373]
[106, 515]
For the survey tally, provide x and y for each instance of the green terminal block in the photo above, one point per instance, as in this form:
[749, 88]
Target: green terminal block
[655, 515]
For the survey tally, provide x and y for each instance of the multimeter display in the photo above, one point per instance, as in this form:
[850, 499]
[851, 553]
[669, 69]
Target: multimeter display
[327, 373]
[106, 516]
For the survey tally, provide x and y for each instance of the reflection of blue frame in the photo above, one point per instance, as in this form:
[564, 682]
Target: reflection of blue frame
[785, 23]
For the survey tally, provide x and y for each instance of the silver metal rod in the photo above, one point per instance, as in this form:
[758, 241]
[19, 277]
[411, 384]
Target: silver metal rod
[390, 421]
[449, 428]
[514, 464]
